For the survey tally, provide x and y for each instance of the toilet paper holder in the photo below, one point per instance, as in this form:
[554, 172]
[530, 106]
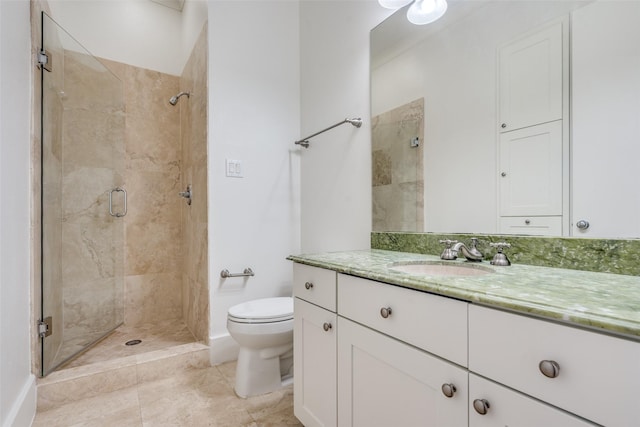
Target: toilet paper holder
[247, 272]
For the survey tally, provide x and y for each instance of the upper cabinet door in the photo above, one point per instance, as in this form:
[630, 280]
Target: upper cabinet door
[530, 79]
[606, 120]
[531, 171]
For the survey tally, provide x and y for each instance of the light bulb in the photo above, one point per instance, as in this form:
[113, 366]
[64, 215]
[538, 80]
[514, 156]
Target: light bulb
[394, 4]
[424, 12]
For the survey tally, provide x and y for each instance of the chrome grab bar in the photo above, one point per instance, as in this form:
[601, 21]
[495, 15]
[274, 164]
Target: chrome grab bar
[117, 214]
[247, 272]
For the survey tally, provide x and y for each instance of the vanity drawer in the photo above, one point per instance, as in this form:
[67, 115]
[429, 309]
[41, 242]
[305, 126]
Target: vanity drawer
[315, 285]
[598, 376]
[531, 225]
[433, 323]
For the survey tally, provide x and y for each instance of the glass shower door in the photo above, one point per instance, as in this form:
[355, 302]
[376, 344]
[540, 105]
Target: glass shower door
[83, 199]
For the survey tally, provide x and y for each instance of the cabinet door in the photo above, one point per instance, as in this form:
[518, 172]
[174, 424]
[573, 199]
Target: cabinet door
[530, 79]
[314, 355]
[509, 408]
[531, 171]
[384, 382]
[605, 115]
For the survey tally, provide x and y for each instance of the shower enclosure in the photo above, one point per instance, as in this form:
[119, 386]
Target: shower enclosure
[83, 198]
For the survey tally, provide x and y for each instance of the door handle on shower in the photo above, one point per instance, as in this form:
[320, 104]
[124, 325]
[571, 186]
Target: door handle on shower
[117, 214]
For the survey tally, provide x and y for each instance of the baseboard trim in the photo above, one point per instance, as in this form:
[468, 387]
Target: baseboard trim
[223, 348]
[23, 410]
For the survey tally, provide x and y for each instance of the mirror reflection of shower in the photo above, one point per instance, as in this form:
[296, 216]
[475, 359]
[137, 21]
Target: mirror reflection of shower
[174, 99]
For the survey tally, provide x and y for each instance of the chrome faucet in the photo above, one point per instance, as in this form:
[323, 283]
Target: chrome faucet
[471, 253]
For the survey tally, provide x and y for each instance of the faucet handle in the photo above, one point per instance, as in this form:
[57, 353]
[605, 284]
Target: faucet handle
[500, 258]
[448, 253]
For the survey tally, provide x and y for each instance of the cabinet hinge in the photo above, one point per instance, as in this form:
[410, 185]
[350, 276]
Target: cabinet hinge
[44, 60]
[45, 327]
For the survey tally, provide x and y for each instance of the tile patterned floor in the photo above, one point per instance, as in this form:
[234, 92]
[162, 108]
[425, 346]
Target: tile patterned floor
[154, 336]
[193, 398]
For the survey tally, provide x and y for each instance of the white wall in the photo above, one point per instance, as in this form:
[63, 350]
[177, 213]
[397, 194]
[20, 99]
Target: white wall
[254, 95]
[17, 384]
[137, 32]
[336, 168]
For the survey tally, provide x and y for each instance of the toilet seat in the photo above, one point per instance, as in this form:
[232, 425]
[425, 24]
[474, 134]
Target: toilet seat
[265, 310]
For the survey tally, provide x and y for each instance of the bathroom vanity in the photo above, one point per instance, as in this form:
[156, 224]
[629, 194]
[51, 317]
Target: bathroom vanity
[375, 344]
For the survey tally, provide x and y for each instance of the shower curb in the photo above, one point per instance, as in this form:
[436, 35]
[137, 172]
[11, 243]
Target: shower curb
[73, 384]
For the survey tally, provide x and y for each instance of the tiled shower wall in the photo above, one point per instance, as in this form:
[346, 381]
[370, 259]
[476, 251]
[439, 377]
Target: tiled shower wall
[153, 234]
[193, 119]
[397, 168]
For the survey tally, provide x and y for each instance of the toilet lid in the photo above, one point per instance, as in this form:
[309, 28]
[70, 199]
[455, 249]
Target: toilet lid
[263, 310]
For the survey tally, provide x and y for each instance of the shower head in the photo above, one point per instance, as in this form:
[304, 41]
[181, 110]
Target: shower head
[174, 99]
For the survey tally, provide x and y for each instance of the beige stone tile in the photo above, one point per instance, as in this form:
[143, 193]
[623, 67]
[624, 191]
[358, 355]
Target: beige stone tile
[200, 397]
[153, 196]
[152, 297]
[119, 408]
[228, 371]
[168, 365]
[58, 393]
[152, 247]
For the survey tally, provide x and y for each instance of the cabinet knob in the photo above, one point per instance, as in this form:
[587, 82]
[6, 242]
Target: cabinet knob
[549, 368]
[448, 390]
[503, 126]
[583, 224]
[308, 285]
[527, 221]
[327, 326]
[481, 406]
[385, 312]
[503, 174]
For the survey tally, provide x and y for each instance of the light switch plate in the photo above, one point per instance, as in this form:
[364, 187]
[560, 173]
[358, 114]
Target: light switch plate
[233, 168]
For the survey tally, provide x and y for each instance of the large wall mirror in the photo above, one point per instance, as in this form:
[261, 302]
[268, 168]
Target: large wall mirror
[509, 117]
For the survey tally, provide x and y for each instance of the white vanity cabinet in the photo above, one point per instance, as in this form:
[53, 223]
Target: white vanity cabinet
[386, 355]
[592, 375]
[385, 382]
[492, 405]
[382, 379]
[314, 346]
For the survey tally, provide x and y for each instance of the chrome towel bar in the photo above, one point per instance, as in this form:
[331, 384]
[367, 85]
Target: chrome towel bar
[357, 122]
[247, 272]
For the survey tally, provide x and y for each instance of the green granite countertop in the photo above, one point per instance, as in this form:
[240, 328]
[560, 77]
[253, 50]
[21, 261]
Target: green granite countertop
[601, 301]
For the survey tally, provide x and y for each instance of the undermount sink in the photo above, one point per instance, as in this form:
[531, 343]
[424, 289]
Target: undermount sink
[431, 268]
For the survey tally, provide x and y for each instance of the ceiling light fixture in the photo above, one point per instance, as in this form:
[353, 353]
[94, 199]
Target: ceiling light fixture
[421, 12]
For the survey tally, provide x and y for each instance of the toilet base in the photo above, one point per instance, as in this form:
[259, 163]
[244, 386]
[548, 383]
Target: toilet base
[260, 372]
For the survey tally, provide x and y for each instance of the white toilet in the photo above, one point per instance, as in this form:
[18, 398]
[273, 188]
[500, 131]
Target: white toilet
[264, 330]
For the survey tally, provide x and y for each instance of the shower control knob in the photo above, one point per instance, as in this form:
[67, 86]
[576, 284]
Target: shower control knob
[308, 285]
[327, 326]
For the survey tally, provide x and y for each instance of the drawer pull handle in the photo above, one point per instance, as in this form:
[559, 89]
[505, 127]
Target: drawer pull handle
[327, 326]
[448, 390]
[308, 285]
[385, 312]
[481, 406]
[549, 368]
